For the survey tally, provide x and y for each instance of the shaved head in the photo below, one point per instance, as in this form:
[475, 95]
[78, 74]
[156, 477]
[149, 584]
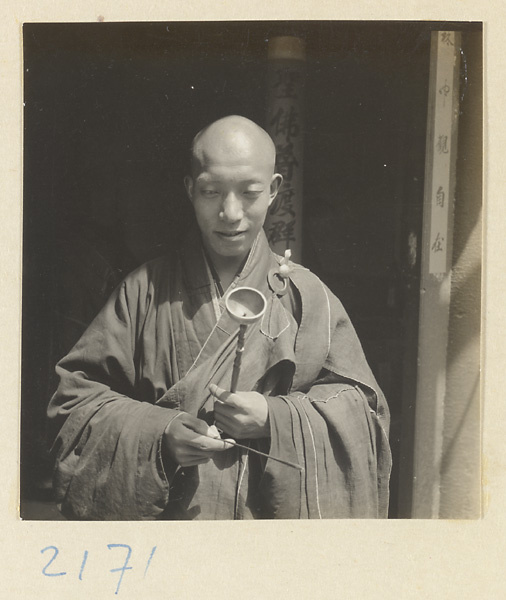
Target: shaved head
[231, 188]
[232, 138]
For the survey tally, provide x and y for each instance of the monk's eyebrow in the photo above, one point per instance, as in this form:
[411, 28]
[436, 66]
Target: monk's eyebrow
[204, 178]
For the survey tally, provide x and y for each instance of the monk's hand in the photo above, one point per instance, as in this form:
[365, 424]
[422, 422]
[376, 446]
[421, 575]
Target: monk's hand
[242, 415]
[190, 441]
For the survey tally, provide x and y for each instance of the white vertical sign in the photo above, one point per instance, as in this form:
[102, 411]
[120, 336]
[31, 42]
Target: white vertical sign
[441, 186]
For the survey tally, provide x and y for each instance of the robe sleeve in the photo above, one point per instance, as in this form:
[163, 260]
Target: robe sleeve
[340, 442]
[107, 441]
[337, 430]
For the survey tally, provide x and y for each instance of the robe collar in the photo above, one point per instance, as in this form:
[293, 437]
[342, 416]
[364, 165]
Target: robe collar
[253, 273]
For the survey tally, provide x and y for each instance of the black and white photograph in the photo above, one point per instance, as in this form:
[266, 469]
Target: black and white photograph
[251, 270]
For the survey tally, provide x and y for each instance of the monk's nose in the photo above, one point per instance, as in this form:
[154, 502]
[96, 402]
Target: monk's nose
[232, 209]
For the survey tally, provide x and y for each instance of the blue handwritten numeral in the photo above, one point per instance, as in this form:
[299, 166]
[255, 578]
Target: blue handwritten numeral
[83, 564]
[149, 560]
[120, 570]
[44, 570]
[124, 567]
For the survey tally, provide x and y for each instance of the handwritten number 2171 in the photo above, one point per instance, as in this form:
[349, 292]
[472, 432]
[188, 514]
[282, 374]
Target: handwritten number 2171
[121, 570]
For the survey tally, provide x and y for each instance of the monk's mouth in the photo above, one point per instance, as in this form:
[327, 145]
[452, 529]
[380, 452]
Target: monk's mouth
[230, 234]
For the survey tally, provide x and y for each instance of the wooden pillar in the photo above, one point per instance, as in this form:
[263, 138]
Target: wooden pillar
[461, 460]
[285, 123]
[435, 285]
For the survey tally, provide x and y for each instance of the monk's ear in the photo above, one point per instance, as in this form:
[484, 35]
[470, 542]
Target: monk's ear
[276, 181]
[188, 184]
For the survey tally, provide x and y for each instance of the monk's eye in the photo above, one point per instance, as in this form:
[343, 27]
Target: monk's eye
[252, 194]
[209, 193]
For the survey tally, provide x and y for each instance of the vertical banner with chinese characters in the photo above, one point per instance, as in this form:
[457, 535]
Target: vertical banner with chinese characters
[443, 122]
[285, 81]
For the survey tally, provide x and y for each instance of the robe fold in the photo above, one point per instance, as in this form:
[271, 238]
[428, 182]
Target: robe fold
[161, 339]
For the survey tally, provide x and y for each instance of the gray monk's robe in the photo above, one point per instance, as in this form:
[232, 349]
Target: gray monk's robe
[159, 342]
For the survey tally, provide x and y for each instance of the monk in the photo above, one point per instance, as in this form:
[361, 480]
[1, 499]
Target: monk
[142, 415]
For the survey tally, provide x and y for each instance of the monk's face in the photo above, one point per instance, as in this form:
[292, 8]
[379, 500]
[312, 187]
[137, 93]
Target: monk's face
[232, 187]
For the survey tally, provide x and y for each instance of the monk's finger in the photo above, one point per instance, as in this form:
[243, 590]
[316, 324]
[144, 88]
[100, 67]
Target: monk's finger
[220, 394]
[224, 411]
[226, 425]
[213, 432]
[194, 424]
[207, 444]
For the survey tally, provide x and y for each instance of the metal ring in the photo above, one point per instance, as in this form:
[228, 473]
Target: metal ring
[277, 283]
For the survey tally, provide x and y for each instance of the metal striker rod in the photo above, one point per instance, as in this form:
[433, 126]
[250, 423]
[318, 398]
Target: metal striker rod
[238, 357]
[280, 460]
